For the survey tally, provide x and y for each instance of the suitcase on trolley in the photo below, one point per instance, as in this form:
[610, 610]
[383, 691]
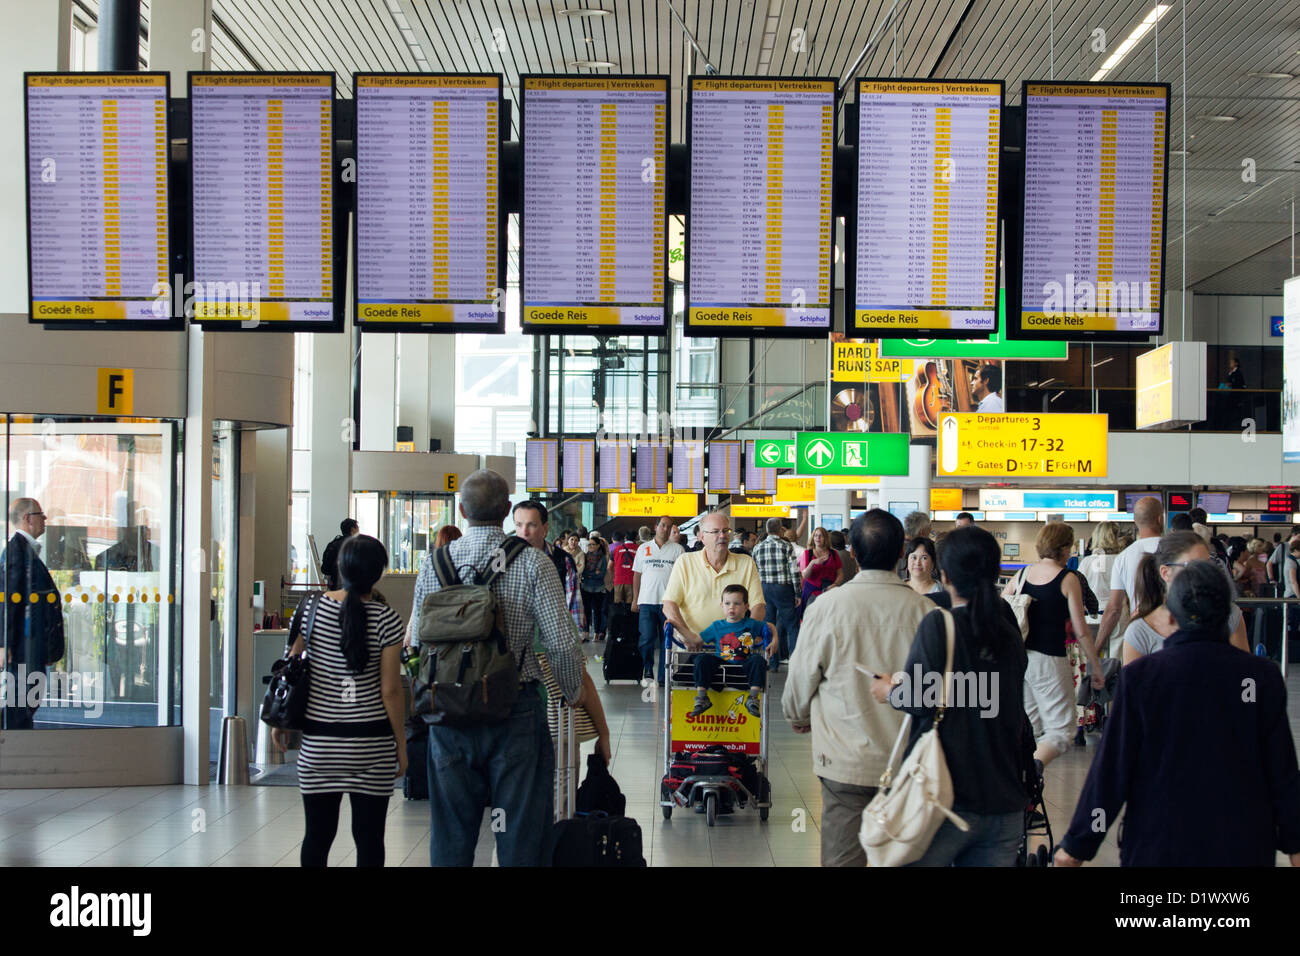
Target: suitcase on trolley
[585, 839]
[622, 659]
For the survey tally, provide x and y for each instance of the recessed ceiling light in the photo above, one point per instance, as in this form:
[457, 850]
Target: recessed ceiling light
[1180, 152]
[586, 12]
[593, 64]
[1217, 118]
[1271, 76]
[591, 40]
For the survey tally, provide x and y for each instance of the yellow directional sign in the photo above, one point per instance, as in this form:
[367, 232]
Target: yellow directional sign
[760, 511]
[861, 361]
[795, 491]
[1031, 446]
[674, 505]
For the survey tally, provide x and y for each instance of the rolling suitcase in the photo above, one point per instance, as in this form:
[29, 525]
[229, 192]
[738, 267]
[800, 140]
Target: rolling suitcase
[622, 659]
[415, 785]
[585, 839]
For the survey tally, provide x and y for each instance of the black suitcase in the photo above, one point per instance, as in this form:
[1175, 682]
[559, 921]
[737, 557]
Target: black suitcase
[415, 785]
[622, 660]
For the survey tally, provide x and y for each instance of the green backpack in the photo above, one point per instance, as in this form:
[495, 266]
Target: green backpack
[467, 675]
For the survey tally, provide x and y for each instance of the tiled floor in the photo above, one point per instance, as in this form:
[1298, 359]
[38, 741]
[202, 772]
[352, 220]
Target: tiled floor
[262, 826]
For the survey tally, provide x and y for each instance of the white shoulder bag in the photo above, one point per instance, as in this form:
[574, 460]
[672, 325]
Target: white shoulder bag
[899, 824]
[1020, 602]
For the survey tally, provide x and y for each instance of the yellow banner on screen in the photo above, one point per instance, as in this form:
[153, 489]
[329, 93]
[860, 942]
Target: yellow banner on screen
[914, 318]
[739, 315]
[236, 311]
[77, 311]
[406, 312]
[1070, 321]
[572, 315]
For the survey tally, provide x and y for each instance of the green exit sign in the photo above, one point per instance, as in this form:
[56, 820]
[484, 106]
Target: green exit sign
[851, 453]
[774, 453]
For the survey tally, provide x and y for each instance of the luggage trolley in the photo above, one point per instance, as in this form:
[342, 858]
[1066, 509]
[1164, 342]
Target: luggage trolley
[722, 785]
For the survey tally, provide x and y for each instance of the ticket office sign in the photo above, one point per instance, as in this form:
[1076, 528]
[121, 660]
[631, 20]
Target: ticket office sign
[726, 722]
[1031, 446]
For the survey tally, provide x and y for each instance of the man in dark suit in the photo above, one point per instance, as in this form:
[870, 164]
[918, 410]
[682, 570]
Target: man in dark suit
[33, 618]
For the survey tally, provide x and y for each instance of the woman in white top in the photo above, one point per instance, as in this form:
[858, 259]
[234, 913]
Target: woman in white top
[1096, 567]
[920, 567]
[1152, 622]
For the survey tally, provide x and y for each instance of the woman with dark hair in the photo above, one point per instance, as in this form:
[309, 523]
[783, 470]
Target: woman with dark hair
[1197, 750]
[1152, 623]
[982, 737]
[922, 563]
[597, 576]
[353, 741]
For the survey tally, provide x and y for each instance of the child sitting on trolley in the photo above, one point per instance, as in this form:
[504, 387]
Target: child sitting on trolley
[736, 639]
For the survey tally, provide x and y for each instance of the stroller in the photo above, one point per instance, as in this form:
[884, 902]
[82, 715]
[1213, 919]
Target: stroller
[1037, 825]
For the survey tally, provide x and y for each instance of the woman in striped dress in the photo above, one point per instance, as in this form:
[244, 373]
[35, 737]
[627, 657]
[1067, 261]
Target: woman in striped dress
[353, 740]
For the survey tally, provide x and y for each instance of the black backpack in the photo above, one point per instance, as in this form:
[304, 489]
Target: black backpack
[599, 791]
[597, 839]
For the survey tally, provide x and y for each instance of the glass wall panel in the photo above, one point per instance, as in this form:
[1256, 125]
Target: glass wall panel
[107, 491]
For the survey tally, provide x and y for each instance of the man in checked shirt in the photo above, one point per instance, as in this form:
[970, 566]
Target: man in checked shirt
[508, 766]
[778, 571]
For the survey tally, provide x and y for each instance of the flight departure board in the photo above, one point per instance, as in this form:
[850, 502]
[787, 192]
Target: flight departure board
[578, 458]
[542, 464]
[261, 155]
[615, 465]
[1094, 210]
[652, 466]
[758, 236]
[726, 476]
[757, 479]
[688, 465]
[594, 208]
[97, 247]
[924, 257]
[428, 223]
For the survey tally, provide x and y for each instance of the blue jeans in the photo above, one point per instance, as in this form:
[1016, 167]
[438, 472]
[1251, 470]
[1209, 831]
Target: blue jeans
[709, 666]
[779, 599]
[651, 620]
[992, 840]
[508, 767]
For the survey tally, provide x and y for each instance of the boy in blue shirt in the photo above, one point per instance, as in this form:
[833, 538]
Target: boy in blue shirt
[736, 639]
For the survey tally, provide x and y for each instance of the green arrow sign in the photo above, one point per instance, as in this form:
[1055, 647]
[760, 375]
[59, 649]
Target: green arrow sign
[850, 453]
[773, 453]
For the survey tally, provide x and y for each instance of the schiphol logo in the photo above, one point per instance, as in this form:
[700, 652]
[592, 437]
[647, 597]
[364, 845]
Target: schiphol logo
[76, 909]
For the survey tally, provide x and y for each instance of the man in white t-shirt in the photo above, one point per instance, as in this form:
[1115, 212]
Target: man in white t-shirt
[988, 388]
[1149, 516]
[651, 570]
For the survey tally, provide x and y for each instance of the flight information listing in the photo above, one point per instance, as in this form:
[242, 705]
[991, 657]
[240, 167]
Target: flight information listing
[97, 197]
[759, 228]
[926, 240]
[595, 155]
[1095, 163]
[428, 220]
[261, 152]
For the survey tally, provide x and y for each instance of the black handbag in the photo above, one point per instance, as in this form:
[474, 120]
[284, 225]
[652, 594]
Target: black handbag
[285, 704]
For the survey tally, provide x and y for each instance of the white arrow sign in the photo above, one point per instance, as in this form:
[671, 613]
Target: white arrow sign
[771, 454]
[820, 454]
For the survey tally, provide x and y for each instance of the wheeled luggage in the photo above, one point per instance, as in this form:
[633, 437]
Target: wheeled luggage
[622, 659]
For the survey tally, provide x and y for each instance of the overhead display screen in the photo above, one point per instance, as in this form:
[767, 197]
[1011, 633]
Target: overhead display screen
[261, 154]
[924, 257]
[97, 198]
[578, 457]
[615, 466]
[542, 464]
[428, 222]
[758, 236]
[594, 208]
[688, 466]
[725, 472]
[652, 466]
[757, 479]
[1094, 210]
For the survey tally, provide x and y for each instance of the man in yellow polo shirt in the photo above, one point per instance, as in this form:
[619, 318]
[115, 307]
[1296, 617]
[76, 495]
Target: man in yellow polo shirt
[693, 598]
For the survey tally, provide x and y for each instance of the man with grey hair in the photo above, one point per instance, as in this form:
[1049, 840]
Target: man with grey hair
[694, 593]
[644, 534]
[508, 766]
[32, 637]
